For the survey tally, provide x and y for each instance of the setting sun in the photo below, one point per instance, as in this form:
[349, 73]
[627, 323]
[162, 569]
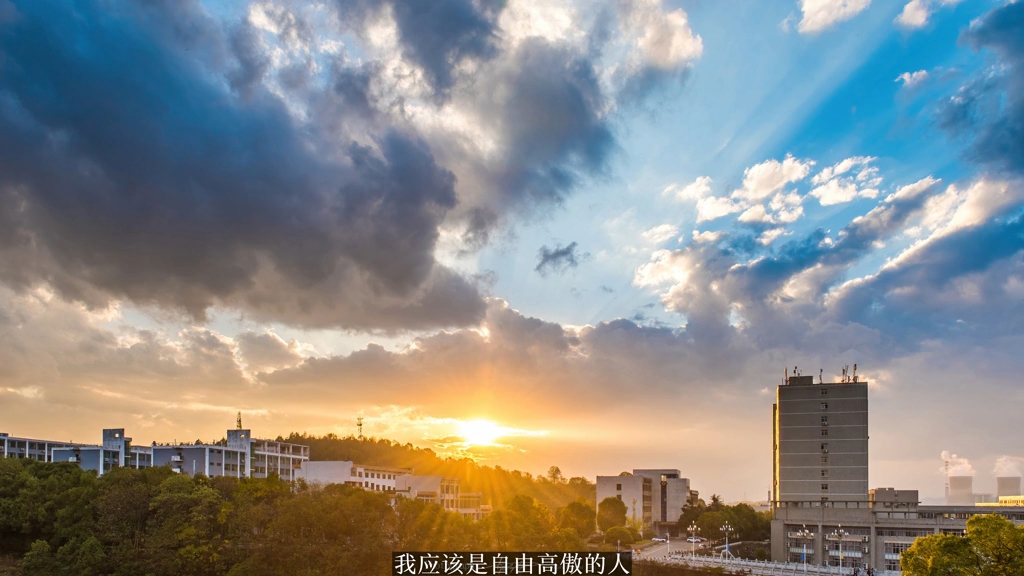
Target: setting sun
[480, 432]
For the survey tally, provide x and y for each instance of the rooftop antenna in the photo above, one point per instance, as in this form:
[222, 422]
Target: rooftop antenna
[359, 425]
[821, 375]
[238, 421]
[785, 378]
[854, 372]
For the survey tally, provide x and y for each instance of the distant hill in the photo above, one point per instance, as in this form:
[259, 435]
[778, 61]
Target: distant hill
[497, 484]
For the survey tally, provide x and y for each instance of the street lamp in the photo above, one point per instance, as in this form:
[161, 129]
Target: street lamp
[726, 529]
[804, 535]
[839, 533]
[693, 537]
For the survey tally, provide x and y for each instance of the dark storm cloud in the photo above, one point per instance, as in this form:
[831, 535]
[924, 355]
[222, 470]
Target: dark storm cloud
[436, 35]
[547, 101]
[960, 286]
[558, 259]
[990, 110]
[126, 171]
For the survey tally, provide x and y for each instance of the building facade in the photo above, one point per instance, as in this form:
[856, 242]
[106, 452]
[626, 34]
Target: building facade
[636, 492]
[822, 511]
[820, 441]
[399, 483]
[670, 492]
[31, 448]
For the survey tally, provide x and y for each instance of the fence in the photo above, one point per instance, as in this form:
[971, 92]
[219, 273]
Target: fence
[762, 568]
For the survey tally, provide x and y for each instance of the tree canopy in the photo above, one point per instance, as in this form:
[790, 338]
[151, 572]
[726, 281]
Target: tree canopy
[992, 546]
[611, 512]
[62, 520]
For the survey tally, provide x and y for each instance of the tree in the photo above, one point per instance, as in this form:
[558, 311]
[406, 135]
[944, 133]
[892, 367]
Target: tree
[611, 512]
[993, 546]
[555, 475]
[716, 503]
[620, 535]
[578, 516]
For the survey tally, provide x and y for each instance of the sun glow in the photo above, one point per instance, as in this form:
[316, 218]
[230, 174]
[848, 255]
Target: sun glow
[480, 432]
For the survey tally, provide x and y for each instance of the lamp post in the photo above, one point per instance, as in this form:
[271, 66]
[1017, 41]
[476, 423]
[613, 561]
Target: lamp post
[839, 533]
[726, 529]
[804, 535]
[693, 537]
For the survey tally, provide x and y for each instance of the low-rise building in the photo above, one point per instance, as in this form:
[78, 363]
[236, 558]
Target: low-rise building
[636, 492]
[862, 534]
[31, 448]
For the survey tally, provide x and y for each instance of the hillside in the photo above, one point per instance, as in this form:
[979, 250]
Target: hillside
[496, 483]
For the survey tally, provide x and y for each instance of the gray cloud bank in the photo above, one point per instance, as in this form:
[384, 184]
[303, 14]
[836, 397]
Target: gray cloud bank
[155, 153]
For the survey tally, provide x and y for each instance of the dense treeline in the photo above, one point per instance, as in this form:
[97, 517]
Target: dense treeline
[709, 518]
[64, 520]
[497, 484]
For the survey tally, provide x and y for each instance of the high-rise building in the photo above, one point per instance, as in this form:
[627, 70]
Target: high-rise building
[822, 511]
[820, 441]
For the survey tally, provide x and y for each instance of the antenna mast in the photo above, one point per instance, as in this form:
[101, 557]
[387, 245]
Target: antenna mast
[238, 421]
[359, 425]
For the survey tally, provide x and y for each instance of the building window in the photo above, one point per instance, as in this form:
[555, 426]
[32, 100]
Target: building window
[618, 486]
[824, 473]
[824, 432]
[824, 405]
[619, 496]
[824, 447]
[824, 459]
[824, 420]
[824, 486]
[824, 391]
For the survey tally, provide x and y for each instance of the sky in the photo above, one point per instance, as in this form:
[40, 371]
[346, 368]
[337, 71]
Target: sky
[588, 234]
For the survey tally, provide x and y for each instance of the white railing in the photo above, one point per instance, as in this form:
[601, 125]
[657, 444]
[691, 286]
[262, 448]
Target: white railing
[762, 568]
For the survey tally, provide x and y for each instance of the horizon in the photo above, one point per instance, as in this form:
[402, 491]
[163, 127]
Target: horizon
[592, 235]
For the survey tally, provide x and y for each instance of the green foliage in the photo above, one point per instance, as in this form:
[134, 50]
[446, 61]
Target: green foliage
[747, 523]
[62, 520]
[611, 512]
[578, 516]
[619, 534]
[993, 546]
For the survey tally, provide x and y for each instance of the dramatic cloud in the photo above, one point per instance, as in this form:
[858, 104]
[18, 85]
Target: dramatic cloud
[252, 165]
[819, 15]
[557, 259]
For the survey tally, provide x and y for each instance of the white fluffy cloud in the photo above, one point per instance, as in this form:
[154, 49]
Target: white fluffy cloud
[916, 13]
[664, 39]
[695, 190]
[819, 15]
[762, 180]
[713, 207]
[661, 233]
[707, 236]
[835, 187]
[911, 79]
